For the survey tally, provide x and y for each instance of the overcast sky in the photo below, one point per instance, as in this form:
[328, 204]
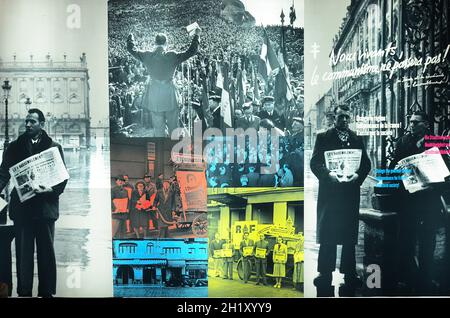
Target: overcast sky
[268, 11]
[39, 27]
[322, 21]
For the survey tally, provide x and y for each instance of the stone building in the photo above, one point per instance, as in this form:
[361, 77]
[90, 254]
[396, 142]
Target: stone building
[417, 30]
[59, 88]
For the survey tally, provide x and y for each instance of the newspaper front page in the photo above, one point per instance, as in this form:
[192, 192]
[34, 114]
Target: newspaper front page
[46, 168]
[422, 169]
[344, 162]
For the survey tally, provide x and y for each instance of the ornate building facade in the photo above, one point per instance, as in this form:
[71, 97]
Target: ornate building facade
[418, 29]
[59, 89]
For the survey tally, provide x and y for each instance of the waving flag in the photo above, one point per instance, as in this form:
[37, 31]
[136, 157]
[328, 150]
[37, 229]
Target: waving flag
[268, 58]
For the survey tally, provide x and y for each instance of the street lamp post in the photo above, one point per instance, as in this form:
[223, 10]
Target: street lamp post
[6, 89]
[308, 134]
[28, 103]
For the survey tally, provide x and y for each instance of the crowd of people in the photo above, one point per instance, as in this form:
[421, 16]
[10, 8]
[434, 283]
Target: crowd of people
[288, 165]
[224, 47]
[144, 206]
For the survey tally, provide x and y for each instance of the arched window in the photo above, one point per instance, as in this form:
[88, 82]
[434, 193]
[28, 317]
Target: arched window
[129, 248]
[150, 248]
[58, 129]
[75, 128]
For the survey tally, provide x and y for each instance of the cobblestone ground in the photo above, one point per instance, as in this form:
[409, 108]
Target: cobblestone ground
[153, 291]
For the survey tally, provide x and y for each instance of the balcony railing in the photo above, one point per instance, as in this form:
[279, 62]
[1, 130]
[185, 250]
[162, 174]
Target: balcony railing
[45, 64]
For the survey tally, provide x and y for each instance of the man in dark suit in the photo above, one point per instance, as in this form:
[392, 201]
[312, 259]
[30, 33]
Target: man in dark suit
[337, 203]
[216, 245]
[418, 215]
[228, 260]
[34, 219]
[246, 260]
[161, 97]
[214, 118]
[261, 262]
[270, 113]
[248, 119]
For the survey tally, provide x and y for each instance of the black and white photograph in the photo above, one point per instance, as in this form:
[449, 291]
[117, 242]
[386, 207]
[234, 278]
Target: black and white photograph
[218, 64]
[55, 233]
[377, 95]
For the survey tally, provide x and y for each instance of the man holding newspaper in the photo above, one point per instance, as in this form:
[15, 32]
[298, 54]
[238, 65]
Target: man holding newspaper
[420, 205]
[341, 164]
[34, 163]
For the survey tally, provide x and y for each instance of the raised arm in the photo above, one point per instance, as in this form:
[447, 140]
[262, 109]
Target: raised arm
[131, 48]
[192, 50]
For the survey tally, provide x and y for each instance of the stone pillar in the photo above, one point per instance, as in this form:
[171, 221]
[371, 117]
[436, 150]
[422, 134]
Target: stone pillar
[248, 212]
[224, 222]
[279, 213]
[380, 245]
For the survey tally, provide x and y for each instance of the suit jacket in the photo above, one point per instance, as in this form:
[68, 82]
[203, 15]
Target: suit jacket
[227, 246]
[426, 200]
[243, 244]
[215, 245]
[41, 206]
[337, 203]
[161, 92]
[262, 244]
[245, 123]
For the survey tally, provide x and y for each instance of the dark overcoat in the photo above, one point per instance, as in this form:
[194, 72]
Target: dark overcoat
[427, 203]
[337, 203]
[161, 94]
[42, 206]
